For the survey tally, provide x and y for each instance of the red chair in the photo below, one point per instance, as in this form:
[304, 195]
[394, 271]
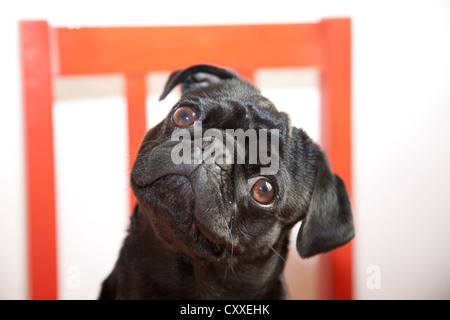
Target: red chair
[50, 51]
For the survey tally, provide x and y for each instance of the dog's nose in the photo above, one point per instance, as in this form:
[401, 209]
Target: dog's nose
[214, 151]
[224, 166]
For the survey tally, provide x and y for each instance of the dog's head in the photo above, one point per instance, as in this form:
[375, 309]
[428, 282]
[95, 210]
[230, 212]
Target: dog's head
[230, 203]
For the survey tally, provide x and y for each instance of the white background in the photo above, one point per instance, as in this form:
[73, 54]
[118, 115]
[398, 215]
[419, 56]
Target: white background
[401, 148]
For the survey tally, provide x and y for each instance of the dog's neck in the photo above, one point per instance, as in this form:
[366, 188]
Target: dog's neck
[186, 277]
[244, 280]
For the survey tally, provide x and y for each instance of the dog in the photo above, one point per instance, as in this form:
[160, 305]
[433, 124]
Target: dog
[217, 230]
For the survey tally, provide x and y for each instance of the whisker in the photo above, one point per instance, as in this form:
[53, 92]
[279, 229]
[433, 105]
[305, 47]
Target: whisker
[223, 283]
[151, 141]
[277, 253]
[230, 230]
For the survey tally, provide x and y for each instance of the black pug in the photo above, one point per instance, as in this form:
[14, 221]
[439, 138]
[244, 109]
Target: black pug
[221, 231]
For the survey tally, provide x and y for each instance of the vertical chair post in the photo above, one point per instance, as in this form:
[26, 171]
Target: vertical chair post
[336, 134]
[135, 87]
[37, 96]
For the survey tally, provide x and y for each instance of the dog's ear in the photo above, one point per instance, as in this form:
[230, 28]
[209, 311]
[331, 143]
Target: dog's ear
[328, 222]
[197, 76]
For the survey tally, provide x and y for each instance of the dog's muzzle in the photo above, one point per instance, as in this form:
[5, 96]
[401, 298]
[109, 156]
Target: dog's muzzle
[212, 214]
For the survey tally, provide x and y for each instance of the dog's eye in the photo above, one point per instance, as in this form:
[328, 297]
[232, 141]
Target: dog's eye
[262, 190]
[184, 117]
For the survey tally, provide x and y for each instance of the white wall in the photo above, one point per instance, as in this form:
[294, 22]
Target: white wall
[401, 107]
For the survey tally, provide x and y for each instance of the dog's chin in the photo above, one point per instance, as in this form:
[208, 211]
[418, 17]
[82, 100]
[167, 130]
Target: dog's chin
[169, 202]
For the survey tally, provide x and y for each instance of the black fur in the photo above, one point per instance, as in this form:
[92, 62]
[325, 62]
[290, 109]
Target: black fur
[196, 233]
